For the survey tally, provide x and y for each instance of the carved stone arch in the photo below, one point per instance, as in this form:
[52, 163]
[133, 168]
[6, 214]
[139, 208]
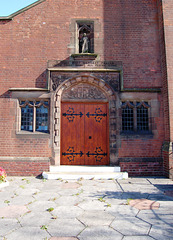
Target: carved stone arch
[92, 89]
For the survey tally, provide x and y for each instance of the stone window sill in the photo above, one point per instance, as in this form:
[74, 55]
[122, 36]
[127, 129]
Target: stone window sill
[32, 134]
[132, 134]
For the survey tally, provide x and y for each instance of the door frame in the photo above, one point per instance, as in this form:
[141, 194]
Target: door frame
[108, 95]
[107, 127]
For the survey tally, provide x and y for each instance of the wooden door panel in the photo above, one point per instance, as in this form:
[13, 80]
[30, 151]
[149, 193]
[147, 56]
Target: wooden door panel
[72, 131]
[84, 139]
[96, 134]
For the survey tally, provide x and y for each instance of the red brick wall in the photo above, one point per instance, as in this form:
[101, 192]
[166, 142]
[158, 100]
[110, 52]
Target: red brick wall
[128, 32]
[24, 168]
[142, 167]
[167, 54]
[131, 35]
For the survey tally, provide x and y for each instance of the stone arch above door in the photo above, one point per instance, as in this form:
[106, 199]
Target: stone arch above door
[84, 88]
[83, 92]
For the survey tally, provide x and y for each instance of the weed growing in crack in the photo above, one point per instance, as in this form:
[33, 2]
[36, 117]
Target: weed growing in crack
[50, 209]
[128, 200]
[44, 227]
[101, 199]
[108, 205]
[77, 194]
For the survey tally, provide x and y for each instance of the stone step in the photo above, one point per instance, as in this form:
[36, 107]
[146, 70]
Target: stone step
[85, 172]
[67, 168]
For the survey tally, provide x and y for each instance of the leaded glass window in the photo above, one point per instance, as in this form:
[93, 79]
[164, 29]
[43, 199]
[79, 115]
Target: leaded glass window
[27, 118]
[34, 116]
[142, 117]
[127, 117]
[42, 119]
[135, 117]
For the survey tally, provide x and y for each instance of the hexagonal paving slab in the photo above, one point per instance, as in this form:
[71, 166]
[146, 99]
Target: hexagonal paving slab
[65, 227]
[122, 211]
[156, 217]
[131, 226]
[63, 238]
[169, 193]
[8, 225]
[144, 204]
[165, 232]
[137, 238]
[96, 218]
[63, 212]
[28, 233]
[70, 185]
[35, 219]
[100, 233]
[13, 211]
[92, 204]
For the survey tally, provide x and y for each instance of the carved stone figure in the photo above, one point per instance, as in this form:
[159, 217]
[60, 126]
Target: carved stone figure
[85, 42]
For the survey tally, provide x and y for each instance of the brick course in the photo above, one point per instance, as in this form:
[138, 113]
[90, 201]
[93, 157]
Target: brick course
[24, 168]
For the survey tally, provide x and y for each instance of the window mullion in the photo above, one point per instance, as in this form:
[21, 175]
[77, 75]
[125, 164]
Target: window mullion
[34, 118]
[135, 118]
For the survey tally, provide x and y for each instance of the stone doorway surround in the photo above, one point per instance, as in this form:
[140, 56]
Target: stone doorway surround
[83, 81]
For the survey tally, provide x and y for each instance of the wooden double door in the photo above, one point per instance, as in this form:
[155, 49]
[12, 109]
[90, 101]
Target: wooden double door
[84, 134]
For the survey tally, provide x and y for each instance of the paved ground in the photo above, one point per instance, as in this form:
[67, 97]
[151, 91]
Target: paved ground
[132, 209]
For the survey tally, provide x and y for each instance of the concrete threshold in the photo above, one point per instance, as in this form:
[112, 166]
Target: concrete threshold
[85, 172]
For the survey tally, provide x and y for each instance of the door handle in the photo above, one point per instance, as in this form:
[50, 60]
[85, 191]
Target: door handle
[90, 137]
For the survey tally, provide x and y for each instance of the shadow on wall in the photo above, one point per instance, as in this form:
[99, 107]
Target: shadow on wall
[41, 81]
[7, 94]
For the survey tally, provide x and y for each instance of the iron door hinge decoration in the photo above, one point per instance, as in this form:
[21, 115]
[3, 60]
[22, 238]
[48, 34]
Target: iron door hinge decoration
[98, 114]
[99, 154]
[71, 114]
[72, 154]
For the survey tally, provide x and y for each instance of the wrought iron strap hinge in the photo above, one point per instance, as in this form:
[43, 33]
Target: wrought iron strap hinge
[71, 114]
[98, 154]
[71, 154]
[98, 115]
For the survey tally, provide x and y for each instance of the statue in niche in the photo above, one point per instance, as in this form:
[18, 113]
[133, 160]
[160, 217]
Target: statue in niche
[86, 37]
[85, 43]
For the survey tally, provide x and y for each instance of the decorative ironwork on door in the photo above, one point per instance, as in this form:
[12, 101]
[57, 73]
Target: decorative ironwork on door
[98, 114]
[71, 114]
[98, 154]
[71, 154]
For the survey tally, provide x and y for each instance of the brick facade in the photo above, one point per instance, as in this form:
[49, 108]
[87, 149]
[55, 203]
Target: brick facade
[129, 44]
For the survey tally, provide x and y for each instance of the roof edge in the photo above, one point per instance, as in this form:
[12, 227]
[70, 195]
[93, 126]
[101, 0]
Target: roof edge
[11, 16]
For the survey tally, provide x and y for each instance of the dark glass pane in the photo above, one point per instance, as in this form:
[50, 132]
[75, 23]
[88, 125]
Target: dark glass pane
[127, 119]
[42, 119]
[27, 118]
[142, 119]
[46, 103]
